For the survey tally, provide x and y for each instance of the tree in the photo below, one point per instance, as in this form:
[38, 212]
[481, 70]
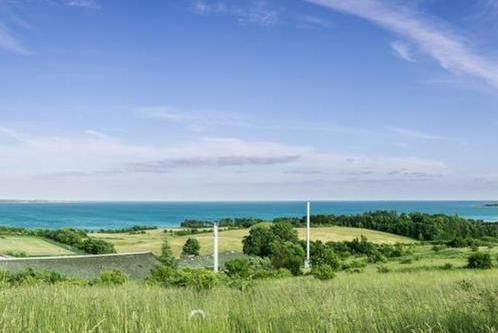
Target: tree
[322, 254]
[284, 231]
[287, 255]
[191, 247]
[167, 258]
[258, 242]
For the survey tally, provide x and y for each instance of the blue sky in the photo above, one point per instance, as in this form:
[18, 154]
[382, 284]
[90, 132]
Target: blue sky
[248, 100]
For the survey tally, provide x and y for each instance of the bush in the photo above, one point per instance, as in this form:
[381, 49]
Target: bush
[97, 246]
[16, 253]
[323, 272]
[287, 255]
[383, 269]
[479, 260]
[167, 258]
[187, 278]
[447, 266]
[191, 247]
[406, 261]
[376, 257]
[238, 268]
[31, 277]
[437, 248]
[114, 277]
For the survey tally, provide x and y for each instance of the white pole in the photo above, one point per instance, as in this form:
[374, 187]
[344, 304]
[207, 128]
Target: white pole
[215, 254]
[307, 263]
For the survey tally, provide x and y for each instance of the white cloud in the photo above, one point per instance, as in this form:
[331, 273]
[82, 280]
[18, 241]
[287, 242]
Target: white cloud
[418, 135]
[453, 52]
[82, 3]
[193, 120]
[9, 43]
[222, 158]
[96, 134]
[250, 12]
[402, 50]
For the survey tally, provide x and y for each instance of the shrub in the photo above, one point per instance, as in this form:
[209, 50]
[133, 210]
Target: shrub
[447, 266]
[191, 247]
[97, 246]
[376, 257]
[258, 242]
[323, 272]
[195, 278]
[187, 278]
[354, 266]
[114, 277]
[437, 248]
[458, 242]
[32, 277]
[238, 268]
[287, 255]
[479, 260]
[406, 261]
[167, 258]
[16, 253]
[383, 269]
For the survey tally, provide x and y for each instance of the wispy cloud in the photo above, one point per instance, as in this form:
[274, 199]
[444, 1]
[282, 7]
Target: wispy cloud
[451, 50]
[221, 161]
[419, 135]
[402, 49]
[194, 120]
[92, 4]
[248, 12]
[9, 43]
[312, 21]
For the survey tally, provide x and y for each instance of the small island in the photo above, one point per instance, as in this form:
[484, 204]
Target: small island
[495, 204]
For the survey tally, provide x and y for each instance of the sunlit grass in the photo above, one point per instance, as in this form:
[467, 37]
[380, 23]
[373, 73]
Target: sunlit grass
[231, 240]
[32, 246]
[367, 302]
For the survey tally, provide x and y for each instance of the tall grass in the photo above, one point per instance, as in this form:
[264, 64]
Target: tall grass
[427, 301]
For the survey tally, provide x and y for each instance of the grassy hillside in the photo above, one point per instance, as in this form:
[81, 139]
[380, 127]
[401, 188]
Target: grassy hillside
[232, 240]
[425, 301]
[31, 246]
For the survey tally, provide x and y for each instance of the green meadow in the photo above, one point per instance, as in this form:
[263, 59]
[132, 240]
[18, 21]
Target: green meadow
[422, 301]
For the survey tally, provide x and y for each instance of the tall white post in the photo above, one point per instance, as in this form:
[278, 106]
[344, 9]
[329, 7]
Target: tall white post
[307, 263]
[215, 245]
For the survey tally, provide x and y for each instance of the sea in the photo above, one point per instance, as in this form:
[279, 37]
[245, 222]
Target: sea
[116, 215]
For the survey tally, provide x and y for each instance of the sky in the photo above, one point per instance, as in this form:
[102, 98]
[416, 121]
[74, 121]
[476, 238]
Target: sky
[248, 100]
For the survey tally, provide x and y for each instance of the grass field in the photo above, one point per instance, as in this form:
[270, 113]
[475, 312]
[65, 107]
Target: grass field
[32, 246]
[232, 240]
[426, 301]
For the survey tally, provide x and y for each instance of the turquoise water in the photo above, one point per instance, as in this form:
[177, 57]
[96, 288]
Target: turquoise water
[118, 215]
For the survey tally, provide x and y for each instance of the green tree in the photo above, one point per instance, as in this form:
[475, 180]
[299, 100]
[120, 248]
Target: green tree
[322, 254]
[284, 231]
[167, 258]
[258, 242]
[191, 247]
[287, 255]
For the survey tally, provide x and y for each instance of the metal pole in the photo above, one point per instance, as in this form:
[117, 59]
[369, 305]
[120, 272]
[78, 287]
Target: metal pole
[215, 254]
[307, 263]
